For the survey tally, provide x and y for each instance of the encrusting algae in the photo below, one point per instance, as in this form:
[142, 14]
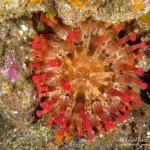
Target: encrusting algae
[78, 3]
[138, 5]
[36, 1]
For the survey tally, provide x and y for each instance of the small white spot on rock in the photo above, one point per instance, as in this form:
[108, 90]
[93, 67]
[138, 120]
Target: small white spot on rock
[21, 32]
[24, 28]
[14, 112]
[148, 133]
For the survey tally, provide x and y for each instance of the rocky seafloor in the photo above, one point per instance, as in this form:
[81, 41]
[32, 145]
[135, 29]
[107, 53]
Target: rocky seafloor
[19, 22]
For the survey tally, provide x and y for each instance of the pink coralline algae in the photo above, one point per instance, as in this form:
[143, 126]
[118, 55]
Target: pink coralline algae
[147, 3]
[84, 76]
[10, 70]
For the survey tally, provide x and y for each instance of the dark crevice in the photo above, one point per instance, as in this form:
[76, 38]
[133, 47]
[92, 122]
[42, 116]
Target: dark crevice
[92, 49]
[40, 27]
[145, 94]
[38, 108]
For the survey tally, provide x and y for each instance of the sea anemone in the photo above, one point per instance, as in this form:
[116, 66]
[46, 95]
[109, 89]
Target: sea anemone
[86, 75]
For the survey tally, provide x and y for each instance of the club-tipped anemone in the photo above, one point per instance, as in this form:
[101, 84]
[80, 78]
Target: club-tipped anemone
[86, 73]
